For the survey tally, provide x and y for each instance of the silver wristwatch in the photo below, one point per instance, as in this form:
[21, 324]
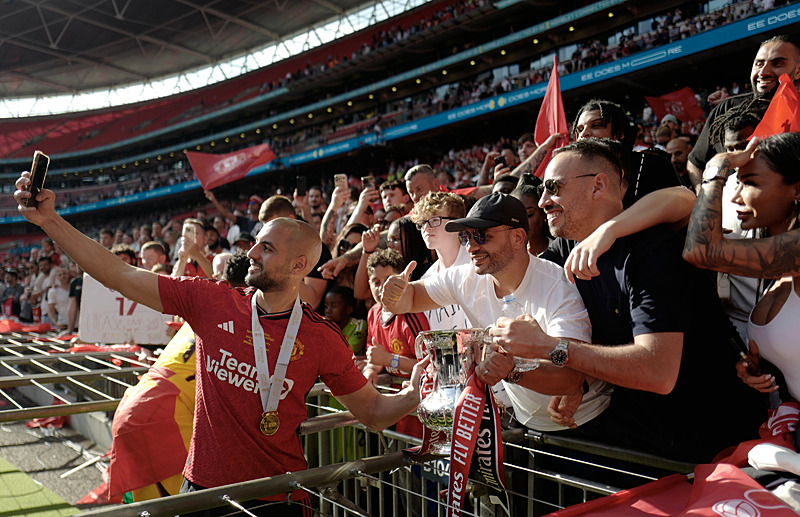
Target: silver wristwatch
[715, 172]
[560, 354]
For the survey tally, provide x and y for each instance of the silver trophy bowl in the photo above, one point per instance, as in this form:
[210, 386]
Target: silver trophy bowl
[453, 354]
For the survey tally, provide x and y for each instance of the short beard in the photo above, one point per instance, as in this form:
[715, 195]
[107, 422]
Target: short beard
[264, 282]
[764, 95]
[558, 231]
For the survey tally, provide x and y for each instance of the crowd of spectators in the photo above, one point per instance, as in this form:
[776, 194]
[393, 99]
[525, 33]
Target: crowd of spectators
[666, 27]
[396, 243]
[384, 38]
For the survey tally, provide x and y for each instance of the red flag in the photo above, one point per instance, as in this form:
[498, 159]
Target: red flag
[552, 118]
[783, 114]
[681, 103]
[718, 490]
[214, 170]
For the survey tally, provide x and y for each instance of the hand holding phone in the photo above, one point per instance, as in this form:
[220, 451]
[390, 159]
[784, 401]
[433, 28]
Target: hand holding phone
[189, 234]
[38, 172]
[301, 186]
[367, 182]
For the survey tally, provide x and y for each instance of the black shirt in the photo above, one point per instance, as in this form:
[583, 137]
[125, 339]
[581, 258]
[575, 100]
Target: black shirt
[646, 287]
[703, 151]
[649, 170]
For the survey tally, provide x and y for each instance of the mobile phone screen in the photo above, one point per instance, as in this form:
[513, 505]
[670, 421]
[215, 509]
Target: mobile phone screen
[38, 172]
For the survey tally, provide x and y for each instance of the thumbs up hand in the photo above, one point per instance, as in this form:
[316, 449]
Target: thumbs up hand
[394, 288]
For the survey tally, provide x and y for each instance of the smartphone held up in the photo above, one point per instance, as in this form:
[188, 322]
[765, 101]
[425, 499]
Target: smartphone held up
[38, 172]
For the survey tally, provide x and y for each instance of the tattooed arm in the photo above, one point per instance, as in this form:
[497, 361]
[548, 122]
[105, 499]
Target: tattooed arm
[533, 161]
[771, 257]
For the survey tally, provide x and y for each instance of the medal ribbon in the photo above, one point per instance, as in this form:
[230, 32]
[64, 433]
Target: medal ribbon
[270, 390]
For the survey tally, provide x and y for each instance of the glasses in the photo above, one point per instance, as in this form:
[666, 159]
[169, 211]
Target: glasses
[552, 186]
[479, 236]
[433, 222]
[344, 245]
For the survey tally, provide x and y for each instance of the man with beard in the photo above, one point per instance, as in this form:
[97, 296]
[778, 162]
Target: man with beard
[658, 330]
[315, 200]
[259, 340]
[679, 150]
[495, 233]
[776, 56]
[214, 240]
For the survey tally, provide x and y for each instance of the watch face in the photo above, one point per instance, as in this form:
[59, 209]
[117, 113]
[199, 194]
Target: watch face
[711, 172]
[558, 357]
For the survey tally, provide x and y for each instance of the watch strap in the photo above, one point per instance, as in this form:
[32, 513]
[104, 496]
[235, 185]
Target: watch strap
[514, 376]
[560, 354]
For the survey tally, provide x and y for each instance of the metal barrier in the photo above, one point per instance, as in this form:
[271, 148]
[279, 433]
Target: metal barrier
[352, 470]
[544, 472]
[61, 382]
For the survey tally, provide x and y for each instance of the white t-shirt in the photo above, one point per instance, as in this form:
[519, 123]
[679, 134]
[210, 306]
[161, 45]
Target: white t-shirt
[450, 316]
[60, 297]
[556, 306]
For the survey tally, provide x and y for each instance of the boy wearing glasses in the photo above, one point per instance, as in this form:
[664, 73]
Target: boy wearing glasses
[431, 214]
[495, 234]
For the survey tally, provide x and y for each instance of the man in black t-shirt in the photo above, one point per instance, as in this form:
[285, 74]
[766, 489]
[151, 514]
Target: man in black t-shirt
[646, 171]
[776, 56]
[658, 330]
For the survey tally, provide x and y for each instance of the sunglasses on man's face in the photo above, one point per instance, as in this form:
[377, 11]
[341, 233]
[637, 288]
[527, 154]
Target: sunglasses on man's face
[479, 236]
[552, 186]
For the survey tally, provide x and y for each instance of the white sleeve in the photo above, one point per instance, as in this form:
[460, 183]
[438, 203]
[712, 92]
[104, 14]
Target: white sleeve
[439, 288]
[566, 315]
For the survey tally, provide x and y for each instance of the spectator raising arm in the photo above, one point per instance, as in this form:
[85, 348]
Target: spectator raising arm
[360, 215]
[706, 247]
[533, 161]
[327, 230]
[227, 214]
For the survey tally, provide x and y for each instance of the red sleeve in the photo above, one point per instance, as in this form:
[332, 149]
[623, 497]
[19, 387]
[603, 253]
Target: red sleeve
[337, 366]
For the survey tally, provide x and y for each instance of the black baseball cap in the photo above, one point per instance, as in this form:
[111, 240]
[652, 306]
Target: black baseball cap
[245, 237]
[493, 210]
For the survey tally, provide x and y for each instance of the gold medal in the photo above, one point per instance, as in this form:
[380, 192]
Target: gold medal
[269, 423]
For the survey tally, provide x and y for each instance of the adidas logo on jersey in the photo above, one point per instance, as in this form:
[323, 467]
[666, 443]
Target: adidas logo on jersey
[227, 326]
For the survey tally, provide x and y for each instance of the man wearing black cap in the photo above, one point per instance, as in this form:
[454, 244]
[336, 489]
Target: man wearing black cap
[244, 241]
[495, 233]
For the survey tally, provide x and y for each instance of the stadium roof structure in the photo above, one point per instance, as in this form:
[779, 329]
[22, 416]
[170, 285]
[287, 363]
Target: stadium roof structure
[52, 47]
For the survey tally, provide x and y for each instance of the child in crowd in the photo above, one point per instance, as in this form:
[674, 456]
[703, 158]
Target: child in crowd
[391, 336]
[339, 306]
